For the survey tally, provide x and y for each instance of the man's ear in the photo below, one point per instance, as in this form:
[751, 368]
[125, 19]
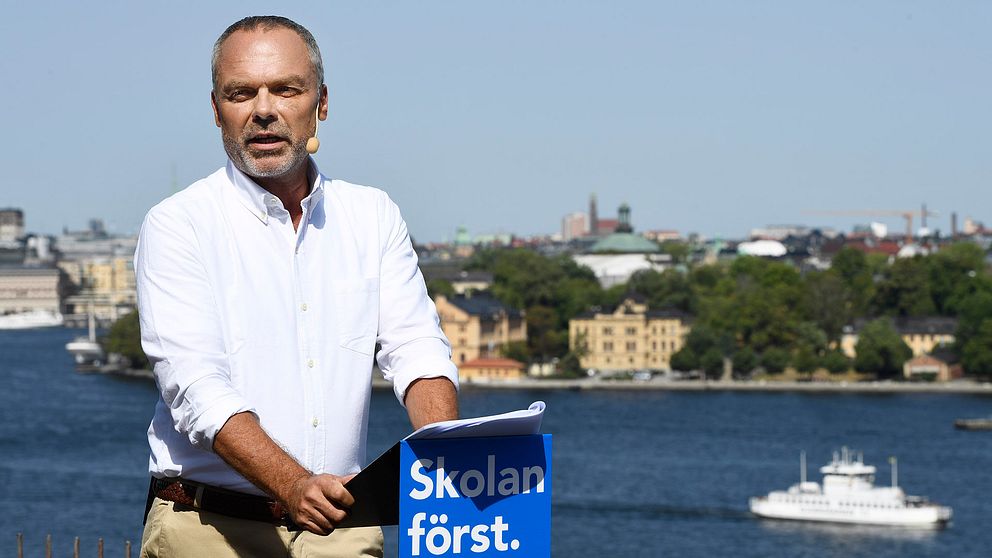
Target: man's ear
[213, 104]
[322, 103]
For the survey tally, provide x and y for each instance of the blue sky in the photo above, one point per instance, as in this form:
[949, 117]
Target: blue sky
[705, 116]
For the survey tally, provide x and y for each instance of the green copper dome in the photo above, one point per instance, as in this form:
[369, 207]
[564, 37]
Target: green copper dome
[624, 243]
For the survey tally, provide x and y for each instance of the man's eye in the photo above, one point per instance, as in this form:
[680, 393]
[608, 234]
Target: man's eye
[240, 95]
[286, 91]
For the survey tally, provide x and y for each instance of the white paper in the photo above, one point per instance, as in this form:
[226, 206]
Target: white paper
[525, 422]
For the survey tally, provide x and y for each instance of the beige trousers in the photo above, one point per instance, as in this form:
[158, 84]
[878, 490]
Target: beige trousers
[178, 531]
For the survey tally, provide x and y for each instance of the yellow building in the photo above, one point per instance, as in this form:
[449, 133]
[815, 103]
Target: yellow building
[923, 335]
[105, 286]
[628, 337]
[478, 326]
[490, 370]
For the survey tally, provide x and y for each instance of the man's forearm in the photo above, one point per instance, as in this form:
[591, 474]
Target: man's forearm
[431, 400]
[315, 502]
[245, 446]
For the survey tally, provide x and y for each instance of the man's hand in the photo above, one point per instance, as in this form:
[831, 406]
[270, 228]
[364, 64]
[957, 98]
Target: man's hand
[319, 502]
[316, 503]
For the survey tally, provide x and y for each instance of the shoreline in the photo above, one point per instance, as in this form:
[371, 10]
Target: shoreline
[958, 387]
[599, 384]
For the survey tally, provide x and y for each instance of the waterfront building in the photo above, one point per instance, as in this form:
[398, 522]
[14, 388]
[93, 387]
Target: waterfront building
[922, 334]
[30, 289]
[628, 337]
[479, 326]
[490, 370]
[100, 273]
[940, 367]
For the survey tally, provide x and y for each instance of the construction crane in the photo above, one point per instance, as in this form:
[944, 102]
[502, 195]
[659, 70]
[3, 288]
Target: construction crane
[906, 215]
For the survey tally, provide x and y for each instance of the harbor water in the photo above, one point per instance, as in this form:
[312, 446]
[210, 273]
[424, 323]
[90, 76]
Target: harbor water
[636, 473]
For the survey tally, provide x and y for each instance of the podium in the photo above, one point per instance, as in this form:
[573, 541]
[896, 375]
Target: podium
[461, 495]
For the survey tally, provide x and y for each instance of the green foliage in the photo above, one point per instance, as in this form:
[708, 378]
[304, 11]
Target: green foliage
[835, 362]
[881, 350]
[745, 360]
[517, 350]
[440, 287]
[670, 289]
[124, 338]
[855, 272]
[976, 352]
[805, 360]
[684, 360]
[712, 362]
[774, 360]
[570, 367]
[905, 289]
[678, 250]
[827, 303]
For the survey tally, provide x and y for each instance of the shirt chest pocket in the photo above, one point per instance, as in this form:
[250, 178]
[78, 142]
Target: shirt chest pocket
[356, 313]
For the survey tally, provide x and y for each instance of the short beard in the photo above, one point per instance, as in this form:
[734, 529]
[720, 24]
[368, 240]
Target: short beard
[249, 165]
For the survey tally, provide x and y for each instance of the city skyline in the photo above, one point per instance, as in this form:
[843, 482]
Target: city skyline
[712, 118]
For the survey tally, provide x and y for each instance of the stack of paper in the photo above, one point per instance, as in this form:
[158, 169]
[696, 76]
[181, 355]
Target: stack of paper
[525, 422]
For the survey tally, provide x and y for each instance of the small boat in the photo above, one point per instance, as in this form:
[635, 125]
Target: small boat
[85, 349]
[973, 424]
[30, 320]
[848, 495]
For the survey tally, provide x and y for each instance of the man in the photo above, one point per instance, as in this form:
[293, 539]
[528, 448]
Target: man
[263, 292]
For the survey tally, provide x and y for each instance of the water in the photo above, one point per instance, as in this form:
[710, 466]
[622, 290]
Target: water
[635, 473]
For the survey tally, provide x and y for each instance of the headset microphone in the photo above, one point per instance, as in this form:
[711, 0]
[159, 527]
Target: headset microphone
[313, 144]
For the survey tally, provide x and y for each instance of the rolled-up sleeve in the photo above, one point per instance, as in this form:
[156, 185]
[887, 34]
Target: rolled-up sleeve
[181, 330]
[412, 343]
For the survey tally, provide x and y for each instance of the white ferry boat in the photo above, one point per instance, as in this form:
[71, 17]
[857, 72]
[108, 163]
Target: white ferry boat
[848, 495]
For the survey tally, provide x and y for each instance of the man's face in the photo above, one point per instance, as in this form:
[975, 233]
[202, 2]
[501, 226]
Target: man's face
[266, 100]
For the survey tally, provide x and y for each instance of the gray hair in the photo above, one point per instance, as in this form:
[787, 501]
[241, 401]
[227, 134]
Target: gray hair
[268, 23]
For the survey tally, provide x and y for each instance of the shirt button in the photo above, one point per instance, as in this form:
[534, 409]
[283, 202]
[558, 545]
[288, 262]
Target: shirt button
[310, 363]
[303, 307]
[315, 422]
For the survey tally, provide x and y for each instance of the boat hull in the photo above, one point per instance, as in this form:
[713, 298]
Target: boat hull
[923, 517]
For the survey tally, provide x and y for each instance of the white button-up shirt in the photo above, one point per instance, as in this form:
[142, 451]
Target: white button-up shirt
[240, 312]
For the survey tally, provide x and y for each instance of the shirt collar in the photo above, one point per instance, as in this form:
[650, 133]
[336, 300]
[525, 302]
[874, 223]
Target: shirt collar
[258, 200]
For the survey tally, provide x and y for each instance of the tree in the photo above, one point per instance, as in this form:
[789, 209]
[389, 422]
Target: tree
[517, 350]
[880, 349]
[124, 338]
[684, 360]
[712, 362]
[774, 360]
[544, 338]
[805, 360]
[953, 271]
[905, 289]
[745, 360]
[836, 362]
[976, 353]
[855, 272]
[440, 287]
[826, 302]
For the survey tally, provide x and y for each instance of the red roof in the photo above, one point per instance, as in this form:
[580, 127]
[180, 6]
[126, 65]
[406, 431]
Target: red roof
[493, 363]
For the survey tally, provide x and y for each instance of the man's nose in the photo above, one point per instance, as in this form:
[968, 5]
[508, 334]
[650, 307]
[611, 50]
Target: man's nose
[264, 110]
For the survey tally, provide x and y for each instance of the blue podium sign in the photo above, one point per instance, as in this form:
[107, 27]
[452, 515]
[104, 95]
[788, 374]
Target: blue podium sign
[475, 497]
